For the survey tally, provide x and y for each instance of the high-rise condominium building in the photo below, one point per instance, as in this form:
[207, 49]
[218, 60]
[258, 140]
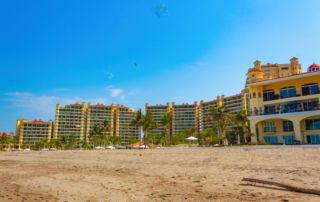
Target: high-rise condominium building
[236, 103]
[99, 115]
[284, 103]
[124, 116]
[185, 117]
[70, 121]
[31, 132]
[205, 110]
[157, 112]
[79, 120]
[233, 104]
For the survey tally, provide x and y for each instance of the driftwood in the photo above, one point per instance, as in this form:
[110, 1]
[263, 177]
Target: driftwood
[285, 186]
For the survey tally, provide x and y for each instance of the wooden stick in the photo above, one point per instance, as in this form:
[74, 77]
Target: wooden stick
[286, 186]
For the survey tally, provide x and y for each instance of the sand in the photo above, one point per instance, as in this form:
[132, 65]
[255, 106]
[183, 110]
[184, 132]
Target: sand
[157, 175]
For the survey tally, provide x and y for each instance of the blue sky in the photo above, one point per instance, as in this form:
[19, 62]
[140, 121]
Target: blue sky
[120, 51]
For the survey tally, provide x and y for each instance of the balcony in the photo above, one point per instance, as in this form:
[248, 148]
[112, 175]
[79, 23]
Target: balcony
[290, 107]
[279, 97]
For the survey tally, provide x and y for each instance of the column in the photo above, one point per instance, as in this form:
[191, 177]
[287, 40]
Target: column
[297, 131]
[254, 138]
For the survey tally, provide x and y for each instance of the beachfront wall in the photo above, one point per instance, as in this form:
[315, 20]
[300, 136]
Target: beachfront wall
[284, 109]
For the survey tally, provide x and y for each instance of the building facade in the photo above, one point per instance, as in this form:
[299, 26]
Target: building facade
[32, 132]
[79, 120]
[70, 121]
[284, 106]
[234, 104]
[157, 112]
[185, 117]
[124, 116]
[205, 109]
[99, 115]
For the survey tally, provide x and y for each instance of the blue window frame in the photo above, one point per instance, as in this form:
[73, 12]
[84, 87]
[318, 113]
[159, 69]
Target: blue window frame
[268, 95]
[288, 92]
[288, 139]
[287, 126]
[270, 109]
[271, 139]
[269, 126]
[310, 89]
[313, 124]
[313, 139]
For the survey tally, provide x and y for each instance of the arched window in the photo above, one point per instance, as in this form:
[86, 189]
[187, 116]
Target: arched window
[254, 95]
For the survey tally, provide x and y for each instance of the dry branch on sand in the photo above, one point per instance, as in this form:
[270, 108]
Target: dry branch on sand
[285, 186]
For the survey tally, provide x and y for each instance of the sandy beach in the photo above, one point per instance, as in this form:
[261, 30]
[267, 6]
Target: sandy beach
[157, 175]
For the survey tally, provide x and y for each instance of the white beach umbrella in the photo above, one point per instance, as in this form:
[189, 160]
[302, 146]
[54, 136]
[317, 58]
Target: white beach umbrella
[191, 138]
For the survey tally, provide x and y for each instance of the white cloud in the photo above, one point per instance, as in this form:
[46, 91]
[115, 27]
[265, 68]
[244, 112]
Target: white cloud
[116, 92]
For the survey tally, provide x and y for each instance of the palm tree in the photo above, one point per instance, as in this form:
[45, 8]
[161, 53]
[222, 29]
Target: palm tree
[146, 122]
[71, 142]
[241, 121]
[221, 118]
[99, 134]
[166, 121]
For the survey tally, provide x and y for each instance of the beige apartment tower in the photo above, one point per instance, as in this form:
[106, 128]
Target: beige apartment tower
[124, 116]
[70, 121]
[234, 104]
[97, 115]
[185, 117]
[157, 112]
[32, 132]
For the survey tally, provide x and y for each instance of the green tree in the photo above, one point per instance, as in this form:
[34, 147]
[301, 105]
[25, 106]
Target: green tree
[71, 141]
[221, 118]
[64, 142]
[100, 134]
[146, 122]
[132, 140]
[166, 121]
[209, 137]
[241, 122]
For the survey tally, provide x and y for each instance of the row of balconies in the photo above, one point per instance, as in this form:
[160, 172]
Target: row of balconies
[257, 113]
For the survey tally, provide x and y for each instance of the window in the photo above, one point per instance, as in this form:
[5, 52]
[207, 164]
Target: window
[287, 126]
[270, 109]
[271, 139]
[313, 139]
[267, 70]
[311, 105]
[310, 89]
[288, 92]
[284, 68]
[268, 95]
[254, 95]
[269, 126]
[288, 139]
[313, 124]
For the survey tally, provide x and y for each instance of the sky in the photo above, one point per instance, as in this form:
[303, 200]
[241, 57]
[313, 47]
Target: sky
[132, 52]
